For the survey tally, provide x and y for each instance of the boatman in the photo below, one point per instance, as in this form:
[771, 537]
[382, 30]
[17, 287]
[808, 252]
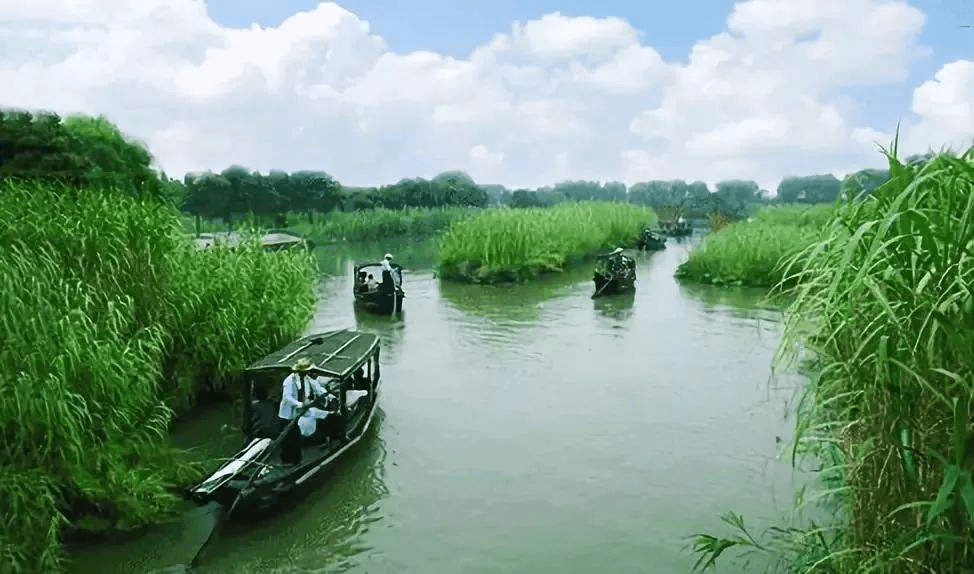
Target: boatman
[299, 391]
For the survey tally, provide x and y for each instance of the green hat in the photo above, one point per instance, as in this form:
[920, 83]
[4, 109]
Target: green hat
[303, 364]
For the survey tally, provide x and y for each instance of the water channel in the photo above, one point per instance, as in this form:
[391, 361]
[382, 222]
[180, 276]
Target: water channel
[528, 428]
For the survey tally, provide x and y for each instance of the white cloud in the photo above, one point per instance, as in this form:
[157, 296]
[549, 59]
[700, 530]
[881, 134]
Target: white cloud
[945, 106]
[554, 98]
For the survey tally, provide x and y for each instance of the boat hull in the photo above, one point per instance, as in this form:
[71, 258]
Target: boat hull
[265, 493]
[613, 285]
[381, 303]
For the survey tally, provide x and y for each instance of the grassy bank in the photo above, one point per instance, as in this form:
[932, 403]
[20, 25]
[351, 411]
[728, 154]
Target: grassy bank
[886, 303]
[515, 244]
[365, 225]
[110, 320]
[753, 251]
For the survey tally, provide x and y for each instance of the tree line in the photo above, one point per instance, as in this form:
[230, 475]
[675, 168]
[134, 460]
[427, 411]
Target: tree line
[81, 150]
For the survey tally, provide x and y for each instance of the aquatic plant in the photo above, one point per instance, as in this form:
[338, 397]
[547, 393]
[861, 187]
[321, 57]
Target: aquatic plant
[106, 310]
[884, 299]
[753, 251]
[514, 244]
[380, 223]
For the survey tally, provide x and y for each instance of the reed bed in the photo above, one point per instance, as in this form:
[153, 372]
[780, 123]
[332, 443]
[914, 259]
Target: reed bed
[885, 301]
[754, 251]
[106, 311]
[515, 244]
[380, 223]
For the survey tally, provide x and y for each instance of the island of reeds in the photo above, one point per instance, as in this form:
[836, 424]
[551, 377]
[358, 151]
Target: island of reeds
[883, 301]
[516, 244]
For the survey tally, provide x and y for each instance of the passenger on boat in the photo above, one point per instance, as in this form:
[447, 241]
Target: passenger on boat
[299, 391]
[361, 281]
[370, 284]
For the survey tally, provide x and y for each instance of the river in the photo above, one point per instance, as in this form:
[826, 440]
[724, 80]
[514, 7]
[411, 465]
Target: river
[528, 428]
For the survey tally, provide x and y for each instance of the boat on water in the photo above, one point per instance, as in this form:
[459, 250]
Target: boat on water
[384, 294]
[256, 478]
[615, 272]
[650, 240]
[678, 228]
[271, 241]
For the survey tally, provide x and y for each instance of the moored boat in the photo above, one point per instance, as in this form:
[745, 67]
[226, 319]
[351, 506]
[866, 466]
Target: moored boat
[614, 273]
[384, 294]
[256, 477]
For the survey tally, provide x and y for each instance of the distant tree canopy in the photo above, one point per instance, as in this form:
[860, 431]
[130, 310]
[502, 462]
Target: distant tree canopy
[809, 189]
[77, 151]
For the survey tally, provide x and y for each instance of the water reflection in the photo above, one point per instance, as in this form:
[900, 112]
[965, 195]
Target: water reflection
[517, 301]
[322, 529]
[391, 329]
[617, 307]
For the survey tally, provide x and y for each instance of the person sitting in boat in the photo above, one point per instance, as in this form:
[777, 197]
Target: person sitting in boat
[616, 264]
[370, 284]
[300, 391]
[361, 281]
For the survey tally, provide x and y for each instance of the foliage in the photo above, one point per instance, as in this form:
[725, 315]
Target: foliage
[514, 244]
[752, 251]
[808, 189]
[106, 310]
[885, 301]
[79, 151]
[378, 224]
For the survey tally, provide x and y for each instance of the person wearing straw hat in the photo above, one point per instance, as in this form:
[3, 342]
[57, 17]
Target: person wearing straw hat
[300, 390]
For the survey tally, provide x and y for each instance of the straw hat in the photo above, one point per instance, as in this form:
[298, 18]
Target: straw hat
[388, 256]
[303, 364]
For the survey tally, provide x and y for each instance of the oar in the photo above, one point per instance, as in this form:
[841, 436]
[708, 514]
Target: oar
[604, 285]
[218, 510]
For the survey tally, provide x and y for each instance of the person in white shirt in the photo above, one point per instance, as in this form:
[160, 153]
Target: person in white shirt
[299, 391]
[370, 284]
[386, 263]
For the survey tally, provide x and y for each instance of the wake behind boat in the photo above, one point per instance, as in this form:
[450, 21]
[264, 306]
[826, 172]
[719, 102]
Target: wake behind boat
[256, 477]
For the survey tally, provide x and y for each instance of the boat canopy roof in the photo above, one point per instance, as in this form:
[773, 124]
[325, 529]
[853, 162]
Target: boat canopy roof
[376, 264]
[334, 353]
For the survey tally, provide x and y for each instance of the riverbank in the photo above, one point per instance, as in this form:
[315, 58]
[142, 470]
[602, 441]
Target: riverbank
[754, 251]
[412, 223]
[505, 245]
[114, 323]
[885, 302]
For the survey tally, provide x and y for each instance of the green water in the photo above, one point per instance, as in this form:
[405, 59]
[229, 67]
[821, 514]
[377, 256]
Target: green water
[528, 428]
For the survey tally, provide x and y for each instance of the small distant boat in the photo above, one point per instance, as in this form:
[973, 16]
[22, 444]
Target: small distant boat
[255, 478]
[679, 228]
[650, 240]
[269, 241]
[614, 273]
[386, 296]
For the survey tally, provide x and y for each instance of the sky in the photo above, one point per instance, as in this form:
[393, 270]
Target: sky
[523, 94]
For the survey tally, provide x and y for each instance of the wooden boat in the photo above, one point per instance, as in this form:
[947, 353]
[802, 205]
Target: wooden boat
[679, 228]
[386, 296]
[650, 240]
[271, 241]
[614, 273]
[255, 478]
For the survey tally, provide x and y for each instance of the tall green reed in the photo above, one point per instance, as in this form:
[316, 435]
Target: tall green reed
[754, 251]
[99, 293]
[885, 302]
[513, 244]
